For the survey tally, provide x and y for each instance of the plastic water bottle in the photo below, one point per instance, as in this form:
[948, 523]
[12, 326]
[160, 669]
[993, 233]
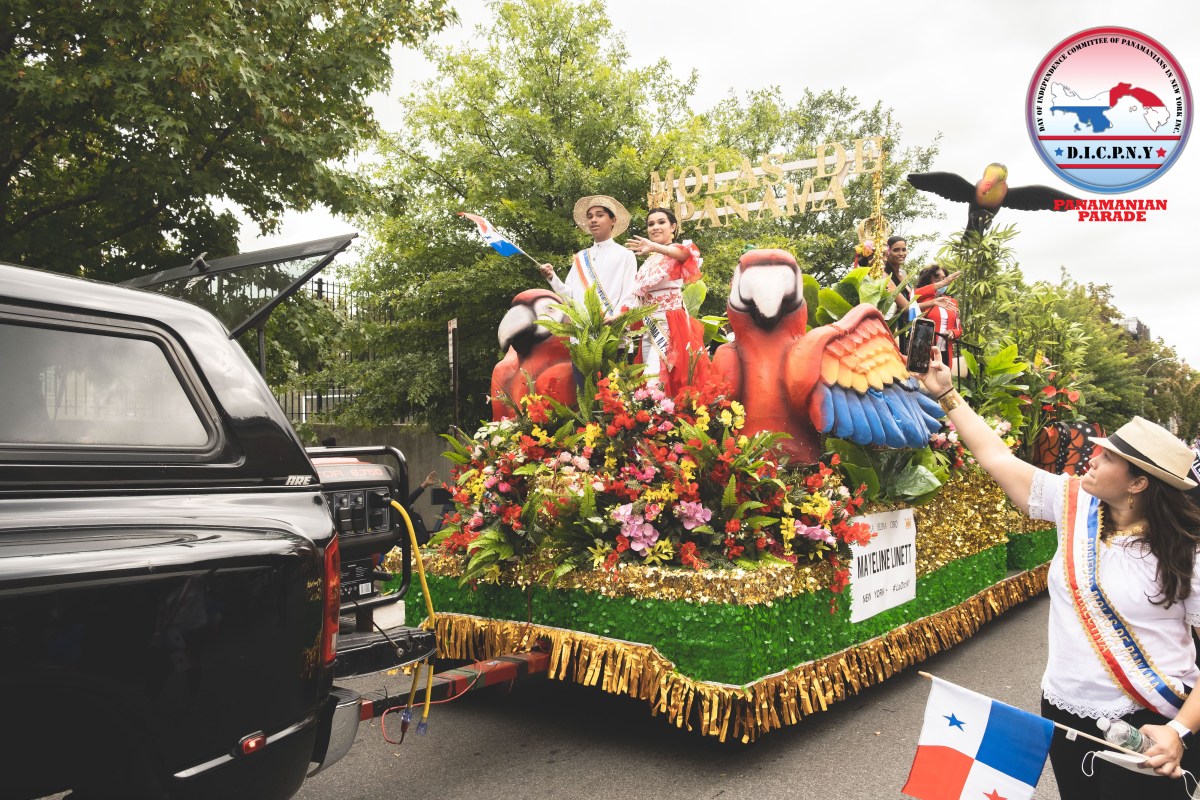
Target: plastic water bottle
[1122, 734]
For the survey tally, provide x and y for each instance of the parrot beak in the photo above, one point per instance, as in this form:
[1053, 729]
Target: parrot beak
[766, 292]
[519, 329]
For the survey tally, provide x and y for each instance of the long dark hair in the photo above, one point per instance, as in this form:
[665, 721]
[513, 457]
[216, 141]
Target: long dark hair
[926, 276]
[894, 271]
[1174, 535]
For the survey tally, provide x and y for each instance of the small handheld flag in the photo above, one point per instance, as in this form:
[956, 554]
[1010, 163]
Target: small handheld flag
[973, 746]
[490, 235]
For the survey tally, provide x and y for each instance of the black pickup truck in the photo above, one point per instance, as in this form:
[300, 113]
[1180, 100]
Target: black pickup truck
[170, 577]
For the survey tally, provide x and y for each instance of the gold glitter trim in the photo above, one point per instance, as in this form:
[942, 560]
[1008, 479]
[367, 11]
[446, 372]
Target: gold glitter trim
[740, 713]
[970, 515]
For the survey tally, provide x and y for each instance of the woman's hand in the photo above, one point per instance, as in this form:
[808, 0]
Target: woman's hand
[949, 279]
[430, 480]
[937, 381]
[547, 271]
[641, 246]
[1166, 752]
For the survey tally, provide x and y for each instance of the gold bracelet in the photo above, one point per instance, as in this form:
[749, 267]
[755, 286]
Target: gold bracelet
[950, 401]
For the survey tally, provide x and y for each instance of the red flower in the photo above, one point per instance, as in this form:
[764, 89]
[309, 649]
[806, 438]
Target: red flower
[1073, 395]
[733, 526]
[688, 557]
[841, 579]
[642, 416]
[835, 459]
[1049, 391]
[622, 543]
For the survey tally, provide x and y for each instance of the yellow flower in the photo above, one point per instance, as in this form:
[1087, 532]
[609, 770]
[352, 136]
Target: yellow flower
[599, 553]
[726, 418]
[661, 552]
[787, 506]
[816, 505]
[742, 440]
[663, 494]
[738, 408]
[590, 434]
[787, 529]
[540, 435]
[687, 468]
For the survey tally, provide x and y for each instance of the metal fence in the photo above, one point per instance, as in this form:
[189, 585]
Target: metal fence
[312, 403]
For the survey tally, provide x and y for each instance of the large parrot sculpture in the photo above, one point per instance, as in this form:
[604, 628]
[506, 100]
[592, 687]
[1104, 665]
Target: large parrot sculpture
[988, 195]
[533, 352]
[846, 379]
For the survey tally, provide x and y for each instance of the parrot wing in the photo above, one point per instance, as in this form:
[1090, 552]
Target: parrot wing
[944, 184]
[1034, 198]
[861, 388]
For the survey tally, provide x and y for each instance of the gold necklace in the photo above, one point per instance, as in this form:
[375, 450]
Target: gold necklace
[1139, 528]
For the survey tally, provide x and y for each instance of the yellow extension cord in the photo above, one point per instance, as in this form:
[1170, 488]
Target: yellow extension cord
[416, 548]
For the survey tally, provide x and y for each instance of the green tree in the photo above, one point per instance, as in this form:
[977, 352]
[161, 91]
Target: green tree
[764, 122]
[540, 111]
[125, 122]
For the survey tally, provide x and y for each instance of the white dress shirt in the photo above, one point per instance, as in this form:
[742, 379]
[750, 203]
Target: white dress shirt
[613, 265]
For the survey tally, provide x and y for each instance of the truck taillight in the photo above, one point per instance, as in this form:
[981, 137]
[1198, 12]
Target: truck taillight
[333, 599]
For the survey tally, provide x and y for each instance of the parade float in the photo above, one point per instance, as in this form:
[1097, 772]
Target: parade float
[752, 548]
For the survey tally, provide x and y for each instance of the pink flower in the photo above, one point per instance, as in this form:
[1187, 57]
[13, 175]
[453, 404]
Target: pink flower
[816, 534]
[504, 487]
[692, 515]
[667, 405]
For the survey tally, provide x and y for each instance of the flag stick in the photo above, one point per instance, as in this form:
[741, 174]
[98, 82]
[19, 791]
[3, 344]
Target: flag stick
[1069, 729]
[531, 258]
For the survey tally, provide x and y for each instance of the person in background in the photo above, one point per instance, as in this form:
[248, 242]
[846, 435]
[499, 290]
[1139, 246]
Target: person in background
[943, 310]
[1124, 589]
[418, 522]
[605, 264]
[672, 339]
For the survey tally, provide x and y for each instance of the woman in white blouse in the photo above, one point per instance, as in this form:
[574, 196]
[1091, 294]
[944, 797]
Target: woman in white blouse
[1124, 596]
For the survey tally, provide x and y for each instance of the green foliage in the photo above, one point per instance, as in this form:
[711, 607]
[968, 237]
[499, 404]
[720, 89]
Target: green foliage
[909, 477]
[855, 288]
[539, 110]
[595, 343]
[124, 122]
[994, 388]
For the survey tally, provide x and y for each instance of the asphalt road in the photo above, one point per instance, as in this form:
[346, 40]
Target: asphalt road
[546, 739]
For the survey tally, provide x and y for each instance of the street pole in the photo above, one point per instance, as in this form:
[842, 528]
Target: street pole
[1145, 387]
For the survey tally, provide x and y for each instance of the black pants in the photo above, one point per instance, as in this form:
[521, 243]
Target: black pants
[1108, 781]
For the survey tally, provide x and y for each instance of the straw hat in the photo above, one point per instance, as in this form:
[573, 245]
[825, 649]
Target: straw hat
[620, 224]
[1154, 449]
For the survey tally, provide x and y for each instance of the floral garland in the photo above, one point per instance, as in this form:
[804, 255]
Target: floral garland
[647, 479]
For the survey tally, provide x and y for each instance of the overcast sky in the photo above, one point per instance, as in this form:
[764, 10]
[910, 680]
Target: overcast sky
[958, 69]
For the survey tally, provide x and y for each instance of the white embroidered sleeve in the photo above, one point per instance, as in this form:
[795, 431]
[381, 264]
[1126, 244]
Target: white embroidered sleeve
[1044, 495]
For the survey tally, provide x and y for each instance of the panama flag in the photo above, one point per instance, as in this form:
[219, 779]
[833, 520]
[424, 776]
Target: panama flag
[974, 747]
[501, 245]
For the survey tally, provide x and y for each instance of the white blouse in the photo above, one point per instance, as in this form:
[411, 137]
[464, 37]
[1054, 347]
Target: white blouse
[1075, 679]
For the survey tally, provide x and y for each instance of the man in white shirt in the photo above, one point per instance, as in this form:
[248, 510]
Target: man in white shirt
[606, 264]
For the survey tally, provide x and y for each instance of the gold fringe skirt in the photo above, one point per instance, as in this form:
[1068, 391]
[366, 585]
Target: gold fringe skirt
[722, 710]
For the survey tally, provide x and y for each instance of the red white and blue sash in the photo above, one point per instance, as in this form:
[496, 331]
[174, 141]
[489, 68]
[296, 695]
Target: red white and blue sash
[1110, 636]
[587, 276]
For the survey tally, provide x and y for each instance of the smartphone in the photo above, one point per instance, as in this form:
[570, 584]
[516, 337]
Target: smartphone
[919, 345]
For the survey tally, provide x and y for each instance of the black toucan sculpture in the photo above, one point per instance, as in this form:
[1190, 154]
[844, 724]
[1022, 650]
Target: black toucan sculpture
[989, 195]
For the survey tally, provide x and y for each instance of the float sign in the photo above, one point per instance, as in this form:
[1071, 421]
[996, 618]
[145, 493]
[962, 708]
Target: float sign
[883, 574]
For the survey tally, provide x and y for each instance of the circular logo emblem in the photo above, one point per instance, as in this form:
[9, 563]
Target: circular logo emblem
[1109, 110]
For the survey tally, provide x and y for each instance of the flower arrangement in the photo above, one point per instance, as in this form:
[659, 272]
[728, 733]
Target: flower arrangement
[650, 479]
[644, 478]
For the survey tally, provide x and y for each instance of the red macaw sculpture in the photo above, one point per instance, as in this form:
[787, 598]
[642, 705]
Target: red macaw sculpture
[533, 353]
[847, 378]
